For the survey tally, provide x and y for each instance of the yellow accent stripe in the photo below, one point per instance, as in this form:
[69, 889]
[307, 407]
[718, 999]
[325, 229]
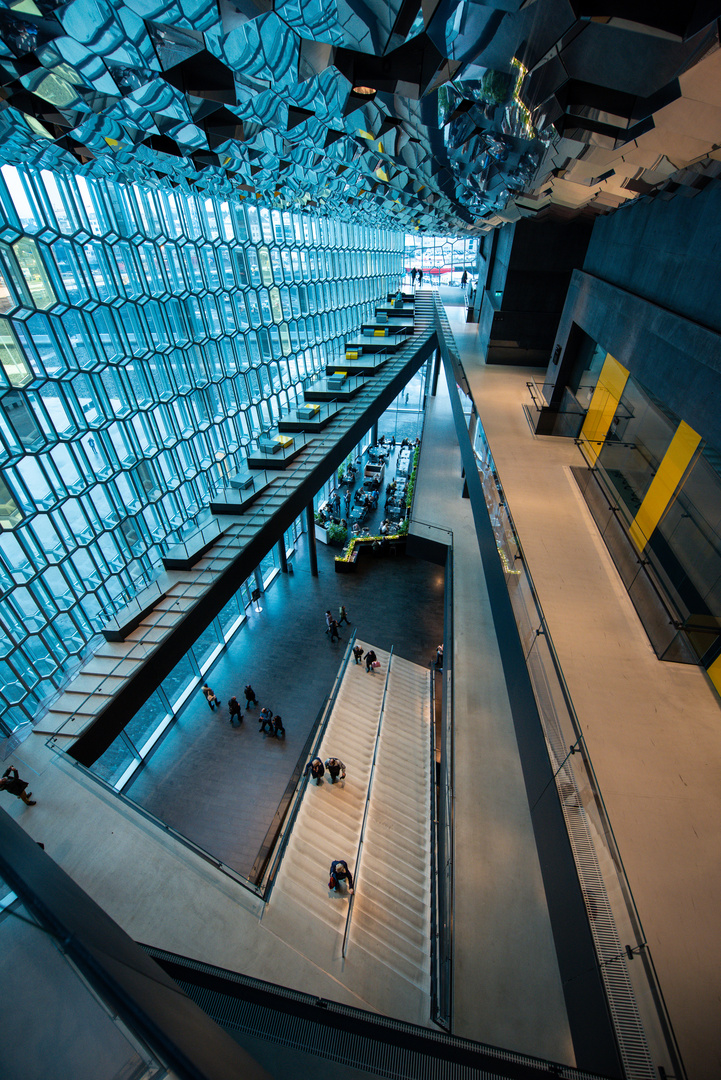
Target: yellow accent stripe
[665, 484]
[379, 333]
[714, 673]
[601, 411]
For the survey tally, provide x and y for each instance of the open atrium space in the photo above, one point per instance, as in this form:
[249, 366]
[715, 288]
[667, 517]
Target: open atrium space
[360, 539]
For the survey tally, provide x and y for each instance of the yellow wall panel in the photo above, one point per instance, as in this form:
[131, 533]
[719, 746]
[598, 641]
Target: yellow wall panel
[665, 483]
[604, 403]
[714, 673]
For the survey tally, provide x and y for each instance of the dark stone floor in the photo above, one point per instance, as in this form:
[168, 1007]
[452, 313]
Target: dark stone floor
[220, 786]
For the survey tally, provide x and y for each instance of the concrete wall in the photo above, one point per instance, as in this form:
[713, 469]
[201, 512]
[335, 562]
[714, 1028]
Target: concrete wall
[531, 269]
[666, 251]
[648, 293]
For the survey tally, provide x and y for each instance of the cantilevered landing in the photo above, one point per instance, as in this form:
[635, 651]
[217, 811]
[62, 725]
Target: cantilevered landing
[310, 419]
[343, 391]
[386, 343]
[260, 458]
[392, 326]
[365, 364]
[404, 312]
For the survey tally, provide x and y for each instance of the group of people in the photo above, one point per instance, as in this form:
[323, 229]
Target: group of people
[332, 625]
[269, 724]
[335, 768]
[234, 712]
[371, 660]
[416, 275]
[367, 496]
[317, 769]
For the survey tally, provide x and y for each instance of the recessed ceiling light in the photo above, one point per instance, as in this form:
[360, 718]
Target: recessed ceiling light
[366, 91]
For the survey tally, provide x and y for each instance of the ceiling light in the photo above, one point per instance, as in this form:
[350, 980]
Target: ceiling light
[364, 91]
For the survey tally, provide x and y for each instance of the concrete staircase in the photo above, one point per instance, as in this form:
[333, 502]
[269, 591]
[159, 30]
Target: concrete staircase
[388, 953]
[391, 917]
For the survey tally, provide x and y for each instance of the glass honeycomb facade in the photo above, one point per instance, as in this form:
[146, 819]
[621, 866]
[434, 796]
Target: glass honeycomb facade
[148, 335]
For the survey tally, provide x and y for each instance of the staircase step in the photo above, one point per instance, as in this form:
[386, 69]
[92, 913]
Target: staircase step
[386, 954]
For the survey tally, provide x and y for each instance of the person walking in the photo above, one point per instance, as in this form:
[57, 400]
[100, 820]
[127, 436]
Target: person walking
[464, 279]
[278, 729]
[334, 631]
[357, 653]
[265, 720]
[250, 698]
[343, 616]
[234, 711]
[335, 768]
[339, 872]
[420, 278]
[210, 696]
[10, 781]
[413, 277]
[370, 659]
[316, 770]
[328, 619]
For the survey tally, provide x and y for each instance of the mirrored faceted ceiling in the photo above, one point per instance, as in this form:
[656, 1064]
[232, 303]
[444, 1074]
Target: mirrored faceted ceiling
[440, 116]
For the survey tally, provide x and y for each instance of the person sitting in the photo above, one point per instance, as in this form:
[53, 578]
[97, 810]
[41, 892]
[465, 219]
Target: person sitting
[339, 872]
[335, 767]
[316, 770]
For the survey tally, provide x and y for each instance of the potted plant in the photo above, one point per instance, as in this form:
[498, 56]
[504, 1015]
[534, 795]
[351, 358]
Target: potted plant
[337, 535]
[321, 530]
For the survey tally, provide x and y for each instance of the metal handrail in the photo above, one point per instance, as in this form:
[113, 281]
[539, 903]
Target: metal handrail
[435, 929]
[444, 1015]
[294, 807]
[212, 525]
[365, 812]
